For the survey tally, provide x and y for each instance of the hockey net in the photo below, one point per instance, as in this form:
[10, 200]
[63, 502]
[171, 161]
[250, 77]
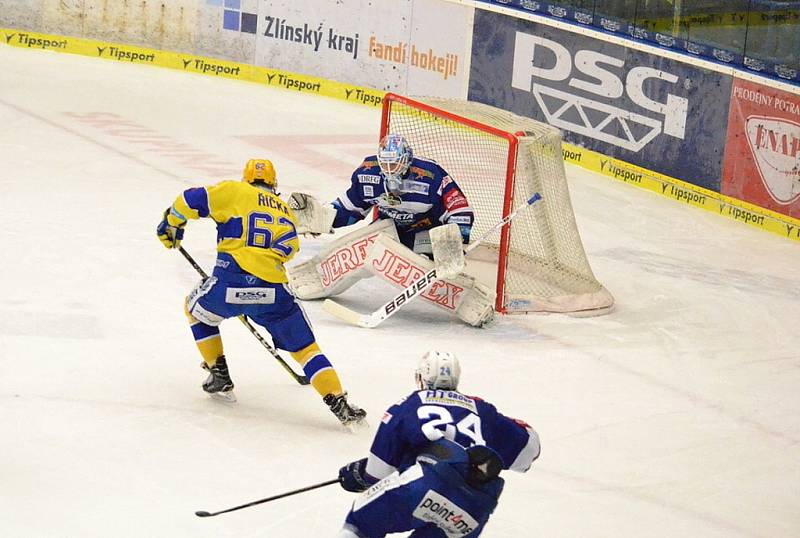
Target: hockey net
[537, 262]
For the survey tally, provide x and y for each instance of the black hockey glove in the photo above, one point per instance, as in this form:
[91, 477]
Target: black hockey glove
[484, 465]
[351, 476]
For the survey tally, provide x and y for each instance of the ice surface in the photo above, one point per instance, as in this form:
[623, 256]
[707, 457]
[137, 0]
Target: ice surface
[674, 416]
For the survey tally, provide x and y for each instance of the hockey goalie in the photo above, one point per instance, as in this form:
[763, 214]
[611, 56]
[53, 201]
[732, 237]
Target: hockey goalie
[410, 196]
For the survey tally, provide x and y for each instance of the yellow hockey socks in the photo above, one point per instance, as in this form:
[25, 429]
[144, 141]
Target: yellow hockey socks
[208, 341]
[319, 370]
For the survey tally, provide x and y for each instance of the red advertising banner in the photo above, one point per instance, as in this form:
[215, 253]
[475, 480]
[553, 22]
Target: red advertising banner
[762, 154]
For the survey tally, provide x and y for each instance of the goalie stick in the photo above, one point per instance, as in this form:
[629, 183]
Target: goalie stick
[415, 289]
[303, 380]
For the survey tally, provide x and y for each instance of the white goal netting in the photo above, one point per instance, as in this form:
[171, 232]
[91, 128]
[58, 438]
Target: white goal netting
[543, 267]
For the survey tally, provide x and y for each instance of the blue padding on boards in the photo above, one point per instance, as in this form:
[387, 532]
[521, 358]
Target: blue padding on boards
[654, 112]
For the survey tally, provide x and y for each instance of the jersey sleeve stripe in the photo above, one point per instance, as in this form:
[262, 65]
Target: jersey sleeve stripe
[197, 199]
[378, 468]
[528, 454]
[461, 210]
[233, 229]
[348, 204]
[178, 215]
[415, 207]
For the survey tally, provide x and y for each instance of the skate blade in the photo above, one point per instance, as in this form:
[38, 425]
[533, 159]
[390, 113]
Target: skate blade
[356, 426]
[226, 397]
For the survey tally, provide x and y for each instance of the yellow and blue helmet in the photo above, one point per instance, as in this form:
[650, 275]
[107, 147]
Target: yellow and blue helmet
[260, 171]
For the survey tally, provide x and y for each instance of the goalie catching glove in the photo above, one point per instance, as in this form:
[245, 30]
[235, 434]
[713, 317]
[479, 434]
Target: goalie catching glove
[170, 229]
[312, 217]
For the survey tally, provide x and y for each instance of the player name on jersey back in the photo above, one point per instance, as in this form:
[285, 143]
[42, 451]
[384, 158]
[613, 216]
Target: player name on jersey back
[447, 397]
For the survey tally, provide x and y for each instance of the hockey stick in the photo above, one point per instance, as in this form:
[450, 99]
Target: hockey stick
[203, 513]
[303, 380]
[416, 288]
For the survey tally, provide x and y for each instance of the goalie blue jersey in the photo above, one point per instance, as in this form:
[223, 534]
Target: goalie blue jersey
[429, 197]
[428, 415]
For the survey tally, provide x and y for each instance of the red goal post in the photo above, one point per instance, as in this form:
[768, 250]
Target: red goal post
[537, 262]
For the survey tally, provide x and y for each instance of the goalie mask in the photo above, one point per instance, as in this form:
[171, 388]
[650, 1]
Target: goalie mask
[438, 370]
[260, 171]
[394, 158]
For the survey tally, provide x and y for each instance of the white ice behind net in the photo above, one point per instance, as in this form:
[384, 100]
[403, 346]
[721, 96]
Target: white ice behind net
[547, 269]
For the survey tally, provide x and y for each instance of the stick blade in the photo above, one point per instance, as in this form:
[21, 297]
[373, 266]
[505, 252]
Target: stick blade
[202, 513]
[345, 314]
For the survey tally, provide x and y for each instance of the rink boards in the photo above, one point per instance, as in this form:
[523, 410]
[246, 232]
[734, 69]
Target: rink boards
[697, 132]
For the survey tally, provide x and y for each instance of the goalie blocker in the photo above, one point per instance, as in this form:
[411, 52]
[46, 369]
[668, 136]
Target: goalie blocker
[376, 251]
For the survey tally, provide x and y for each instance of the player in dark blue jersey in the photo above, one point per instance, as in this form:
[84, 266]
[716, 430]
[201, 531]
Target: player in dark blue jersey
[435, 461]
[409, 196]
[416, 193]
[413, 192]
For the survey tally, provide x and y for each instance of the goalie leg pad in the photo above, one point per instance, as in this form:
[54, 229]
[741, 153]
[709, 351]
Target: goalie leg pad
[305, 280]
[477, 308]
[338, 267]
[460, 295]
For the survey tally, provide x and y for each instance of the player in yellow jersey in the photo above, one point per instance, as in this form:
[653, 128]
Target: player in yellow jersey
[256, 236]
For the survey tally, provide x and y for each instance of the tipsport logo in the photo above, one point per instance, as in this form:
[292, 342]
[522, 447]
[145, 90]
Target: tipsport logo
[233, 18]
[27, 40]
[595, 118]
[293, 83]
[124, 55]
[364, 97]
[206, 67]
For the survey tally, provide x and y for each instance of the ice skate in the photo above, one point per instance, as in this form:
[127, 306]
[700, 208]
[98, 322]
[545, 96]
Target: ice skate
[218, 384]
[347, 413]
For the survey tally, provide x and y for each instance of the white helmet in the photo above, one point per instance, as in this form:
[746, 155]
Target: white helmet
[438, 370]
